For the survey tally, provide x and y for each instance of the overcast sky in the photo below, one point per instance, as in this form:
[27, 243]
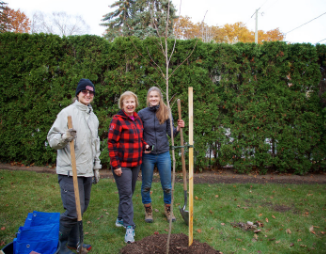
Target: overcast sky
[283, 14]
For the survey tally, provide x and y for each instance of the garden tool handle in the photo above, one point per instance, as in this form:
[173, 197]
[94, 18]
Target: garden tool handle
[182, 151]
[74, 173]
[76, 191]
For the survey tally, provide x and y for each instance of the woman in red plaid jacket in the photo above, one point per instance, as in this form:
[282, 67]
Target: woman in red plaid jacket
[126, 146]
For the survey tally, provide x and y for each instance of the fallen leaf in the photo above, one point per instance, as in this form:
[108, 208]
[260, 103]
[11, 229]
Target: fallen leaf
[303, 246]
[243, 249]
[260, 214]
[104, 210]
[311, 229]
[257, 230]
[166, 230]
[222, 224]
[254, 240]
[255, 236]
[86, 233]
[216, 196]
[238, 239]
[292, 244]
[299, 240]
[156, 233]
[196, 198]
[156, 210]
[199, 230]
[2, 243]
[273, 216]
[107, 213]
[272, 239]
[288, 231]
[266, 219]
[212, 228]
[88, 222]
[211, 211]
[3, 228]
[278, 241]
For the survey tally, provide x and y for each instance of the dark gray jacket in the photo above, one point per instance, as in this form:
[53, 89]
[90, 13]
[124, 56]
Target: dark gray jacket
[155, 134]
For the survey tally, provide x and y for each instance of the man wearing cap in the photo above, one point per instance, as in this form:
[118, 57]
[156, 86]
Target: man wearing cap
[87, 152]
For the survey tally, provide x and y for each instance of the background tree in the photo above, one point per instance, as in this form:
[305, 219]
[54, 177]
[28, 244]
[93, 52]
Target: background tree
[59, 23]
[141, 18]
[117, 21]
[229, 33]
[3, 17]
[18, 22]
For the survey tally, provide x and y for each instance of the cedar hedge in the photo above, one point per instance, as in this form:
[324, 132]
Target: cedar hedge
[255, 106]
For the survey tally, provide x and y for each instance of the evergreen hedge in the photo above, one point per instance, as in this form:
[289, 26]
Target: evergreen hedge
[255, 106]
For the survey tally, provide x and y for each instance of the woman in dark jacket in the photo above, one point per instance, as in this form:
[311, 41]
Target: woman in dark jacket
[126, 145]
[156, 124]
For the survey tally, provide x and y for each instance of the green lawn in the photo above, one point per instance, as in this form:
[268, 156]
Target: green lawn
[287, 212]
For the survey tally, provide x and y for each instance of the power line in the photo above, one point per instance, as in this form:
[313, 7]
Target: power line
[320, 41]
[255, 11]
[305, 23]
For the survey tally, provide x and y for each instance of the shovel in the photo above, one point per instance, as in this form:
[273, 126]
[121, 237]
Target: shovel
[76, 191]
[184, 213]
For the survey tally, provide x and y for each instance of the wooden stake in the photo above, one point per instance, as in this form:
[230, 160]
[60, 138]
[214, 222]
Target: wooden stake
[191, 164]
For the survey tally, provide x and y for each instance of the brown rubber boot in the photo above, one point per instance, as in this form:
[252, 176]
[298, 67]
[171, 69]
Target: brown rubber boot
[168, 213]
[148, 213]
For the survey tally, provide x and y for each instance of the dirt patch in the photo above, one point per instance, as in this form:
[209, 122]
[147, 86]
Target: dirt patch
[178, 245]
[226, 176]
[281, 208]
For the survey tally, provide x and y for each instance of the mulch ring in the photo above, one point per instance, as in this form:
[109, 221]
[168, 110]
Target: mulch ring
[178, 245]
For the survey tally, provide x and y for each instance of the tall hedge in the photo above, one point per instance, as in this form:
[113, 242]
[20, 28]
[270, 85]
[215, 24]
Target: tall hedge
[255, 106]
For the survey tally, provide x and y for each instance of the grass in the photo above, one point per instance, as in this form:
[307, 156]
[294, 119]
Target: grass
[290, 210]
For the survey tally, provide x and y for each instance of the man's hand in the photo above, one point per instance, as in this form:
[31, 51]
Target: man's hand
[69, 135]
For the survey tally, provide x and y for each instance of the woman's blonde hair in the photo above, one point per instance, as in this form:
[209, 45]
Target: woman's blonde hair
[163, 112]
[125, 95]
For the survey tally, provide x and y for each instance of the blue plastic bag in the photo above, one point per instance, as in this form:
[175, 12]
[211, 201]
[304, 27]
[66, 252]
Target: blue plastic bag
[40, 233]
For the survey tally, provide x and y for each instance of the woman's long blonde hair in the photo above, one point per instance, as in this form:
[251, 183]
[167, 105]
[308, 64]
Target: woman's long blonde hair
[163, 113]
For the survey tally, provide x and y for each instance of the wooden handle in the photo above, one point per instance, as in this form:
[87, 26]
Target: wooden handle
[184, 173]
[74, 173]
[191, 164]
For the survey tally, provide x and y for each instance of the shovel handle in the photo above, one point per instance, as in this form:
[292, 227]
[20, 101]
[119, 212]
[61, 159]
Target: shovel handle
[182, 151]
[74, 173]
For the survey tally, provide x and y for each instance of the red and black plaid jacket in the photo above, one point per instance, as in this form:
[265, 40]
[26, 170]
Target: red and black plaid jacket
[125, 141]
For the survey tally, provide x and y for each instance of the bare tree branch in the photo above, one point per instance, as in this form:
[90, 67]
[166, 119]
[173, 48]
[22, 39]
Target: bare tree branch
[190, 53]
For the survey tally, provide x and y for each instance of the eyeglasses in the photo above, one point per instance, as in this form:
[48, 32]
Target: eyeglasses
[86, 92]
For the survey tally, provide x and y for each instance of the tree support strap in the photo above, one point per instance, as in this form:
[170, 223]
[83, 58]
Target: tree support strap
[176, 147]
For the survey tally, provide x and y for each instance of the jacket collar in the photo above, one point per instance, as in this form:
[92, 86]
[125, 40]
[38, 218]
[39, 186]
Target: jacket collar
[154, 108]
[124, 115]
[86, 108]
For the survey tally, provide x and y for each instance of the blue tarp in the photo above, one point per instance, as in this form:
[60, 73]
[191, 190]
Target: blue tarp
[40, 233]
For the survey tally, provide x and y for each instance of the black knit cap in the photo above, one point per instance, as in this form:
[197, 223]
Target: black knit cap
[85, 84]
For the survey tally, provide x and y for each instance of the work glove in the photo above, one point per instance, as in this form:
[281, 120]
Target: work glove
[69, 135]
[97, 176]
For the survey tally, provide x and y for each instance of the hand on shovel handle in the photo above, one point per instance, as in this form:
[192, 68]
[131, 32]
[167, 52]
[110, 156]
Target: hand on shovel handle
[76, 191]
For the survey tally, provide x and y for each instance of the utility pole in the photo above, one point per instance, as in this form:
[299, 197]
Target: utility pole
[256, 32]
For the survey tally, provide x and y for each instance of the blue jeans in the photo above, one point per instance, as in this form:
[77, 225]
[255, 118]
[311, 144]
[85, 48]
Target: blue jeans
[163, 163]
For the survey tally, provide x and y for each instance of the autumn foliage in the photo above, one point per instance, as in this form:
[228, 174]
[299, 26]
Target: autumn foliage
[17, 21]
[229, 33]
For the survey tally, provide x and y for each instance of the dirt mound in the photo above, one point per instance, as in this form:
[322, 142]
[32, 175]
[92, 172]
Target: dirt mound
[178, 245]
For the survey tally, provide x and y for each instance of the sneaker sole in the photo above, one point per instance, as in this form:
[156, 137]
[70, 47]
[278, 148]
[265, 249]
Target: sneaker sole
[119, 225]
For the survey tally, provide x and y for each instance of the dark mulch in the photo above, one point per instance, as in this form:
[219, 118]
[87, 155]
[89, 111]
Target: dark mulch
[178, 245]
